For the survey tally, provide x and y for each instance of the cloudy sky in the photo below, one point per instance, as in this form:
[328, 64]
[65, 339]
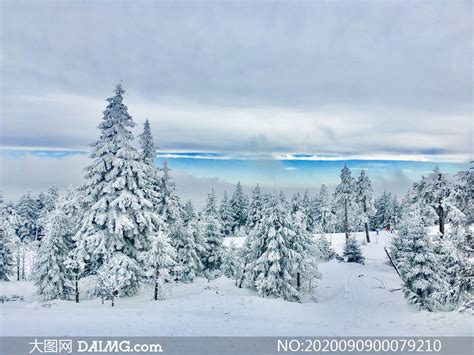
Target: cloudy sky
[260, 80]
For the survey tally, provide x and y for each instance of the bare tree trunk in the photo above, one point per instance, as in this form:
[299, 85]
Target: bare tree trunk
[243, 275]
[346, 221]
[77, 289]
[23, 276]
[113, 301]
[298, 281]
[366, 225]
[392, 262]
[156, 286]
[441, 219]
[18, 266]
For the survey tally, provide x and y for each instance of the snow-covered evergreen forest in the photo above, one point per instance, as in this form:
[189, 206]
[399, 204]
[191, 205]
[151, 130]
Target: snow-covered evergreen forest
[126, 233]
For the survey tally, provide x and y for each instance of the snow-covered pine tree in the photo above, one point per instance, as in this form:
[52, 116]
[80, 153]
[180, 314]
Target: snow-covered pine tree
[52, 278]
[118, 217]
[189, 253]
[46, 203]
[170, 208]
[306, 207]
[417, 262]
[255, 208]
[464, 193]
[225, 214]
[148, 148]
[157, 260]
[324, 216]
[436, 191]
[119, 275]
[305, 253]
[455, 260]
[28, 212]
[364, 194]
[239, 208]
[6, 255]
[383, 206]
[75, 266]
[8, 240]
[212, 235]
[352, 252]
[275, 261]
[148, 154]
[347, 210]
[230, 263]
[188, 213]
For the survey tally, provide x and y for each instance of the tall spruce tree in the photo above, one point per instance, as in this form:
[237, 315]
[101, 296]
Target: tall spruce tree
[52, 278]
[322, 210]
[274, 263]
[417, 262]
[305, 252]
[157, 260]
[364, 193]
[346, 203]
[225, 214]
[189, 252]
[239, 208]
[8, 240]
[170, 208]
[27, 210]
[118, 218]
[212, 235]
[152, 174]
[255, 208]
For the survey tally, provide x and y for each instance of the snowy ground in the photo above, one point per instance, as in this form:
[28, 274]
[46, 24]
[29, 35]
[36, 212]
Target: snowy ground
[350, 299]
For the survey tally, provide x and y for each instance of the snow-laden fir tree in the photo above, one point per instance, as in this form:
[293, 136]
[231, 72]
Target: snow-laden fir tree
[305, 252]
[436, 191]
[189, 252]
[28, 212]
[225, 214]
[157, 260]
[118, 218]
[188, 213]
[307, 209]
[275, 261]
[46, 202]
[455, 260]
[170, 208]
[230, 263]
[322, 210]
[212, 235]
[6, 255]
[239, 208]
[8, 240]
[255, 208]
[384, 211]
[119, 275]
[353, 252]
[345, 202]
[364, 198]
[463, 192]
[417, 262]
[147, 155]
[147, 145]
[51, 276]
[70, 204]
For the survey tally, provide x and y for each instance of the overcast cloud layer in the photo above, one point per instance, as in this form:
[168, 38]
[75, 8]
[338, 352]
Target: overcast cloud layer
[349, 78]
